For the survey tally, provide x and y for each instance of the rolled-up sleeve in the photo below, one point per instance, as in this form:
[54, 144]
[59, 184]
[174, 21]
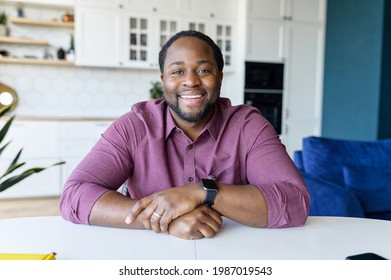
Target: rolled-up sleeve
[104, 168]
[270, 168]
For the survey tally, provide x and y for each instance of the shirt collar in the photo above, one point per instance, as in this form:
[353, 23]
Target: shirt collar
[213, 126]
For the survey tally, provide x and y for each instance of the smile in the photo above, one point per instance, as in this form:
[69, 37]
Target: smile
[191, 96]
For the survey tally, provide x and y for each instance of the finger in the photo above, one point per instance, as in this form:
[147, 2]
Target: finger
[155, 220]
[139, 206]
[208, 231]
[195, 235]
[165, 221]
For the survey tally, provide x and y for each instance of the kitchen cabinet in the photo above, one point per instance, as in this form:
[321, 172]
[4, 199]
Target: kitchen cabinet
[302, 100]
[45, 143]
[167, 7]
[291, 32]
[218, 9]
[129, 36]
[40, 149]
[268, 21]
[310, 11]
[265, 40]
[97, 37]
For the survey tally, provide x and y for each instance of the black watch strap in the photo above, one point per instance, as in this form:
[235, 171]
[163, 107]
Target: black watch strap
[210, 188]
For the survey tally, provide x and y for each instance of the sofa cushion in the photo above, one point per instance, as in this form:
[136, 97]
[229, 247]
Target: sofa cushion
[372, 186]
[325, 158]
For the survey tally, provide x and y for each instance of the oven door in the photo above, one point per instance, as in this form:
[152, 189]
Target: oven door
[269, 104]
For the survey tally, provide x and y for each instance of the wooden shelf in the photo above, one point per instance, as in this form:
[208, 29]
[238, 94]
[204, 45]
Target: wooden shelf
[44, 23]
[22, 41]
[36, 61]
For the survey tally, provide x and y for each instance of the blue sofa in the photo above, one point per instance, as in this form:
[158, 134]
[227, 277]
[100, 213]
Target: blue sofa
[347, 178]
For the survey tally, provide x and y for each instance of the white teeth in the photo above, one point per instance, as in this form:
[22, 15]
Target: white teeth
[191, 96]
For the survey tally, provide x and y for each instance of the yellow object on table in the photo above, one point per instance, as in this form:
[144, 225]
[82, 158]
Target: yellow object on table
[51, 256]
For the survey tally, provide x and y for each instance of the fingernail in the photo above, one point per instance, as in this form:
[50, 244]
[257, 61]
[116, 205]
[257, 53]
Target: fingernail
[128, 220]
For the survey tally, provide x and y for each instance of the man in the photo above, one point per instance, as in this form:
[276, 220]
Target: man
[188, 159]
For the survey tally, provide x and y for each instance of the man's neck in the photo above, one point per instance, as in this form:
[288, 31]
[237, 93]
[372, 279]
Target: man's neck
[191, 129]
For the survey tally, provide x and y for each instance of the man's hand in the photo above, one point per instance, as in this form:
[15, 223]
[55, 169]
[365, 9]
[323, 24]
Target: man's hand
[159, 209]
[199, 223]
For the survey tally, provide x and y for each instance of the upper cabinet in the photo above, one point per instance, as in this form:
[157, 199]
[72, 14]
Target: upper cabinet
[293, 10]
[130, 33]
[269, 21]
[226, 9]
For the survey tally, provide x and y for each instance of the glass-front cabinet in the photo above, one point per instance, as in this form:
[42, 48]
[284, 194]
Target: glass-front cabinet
[132, 37]
[137, 44]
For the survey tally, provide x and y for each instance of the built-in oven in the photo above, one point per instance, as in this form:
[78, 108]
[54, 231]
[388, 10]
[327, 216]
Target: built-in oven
[264, 84]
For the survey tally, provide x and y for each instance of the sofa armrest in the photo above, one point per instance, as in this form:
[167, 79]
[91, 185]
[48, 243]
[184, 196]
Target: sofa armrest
[330, 199]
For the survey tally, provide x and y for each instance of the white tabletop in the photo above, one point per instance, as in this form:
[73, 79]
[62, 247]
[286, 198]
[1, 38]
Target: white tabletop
[321, 238]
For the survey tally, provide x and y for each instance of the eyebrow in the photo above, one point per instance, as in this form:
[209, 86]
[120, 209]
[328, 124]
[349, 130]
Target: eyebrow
[199, 62]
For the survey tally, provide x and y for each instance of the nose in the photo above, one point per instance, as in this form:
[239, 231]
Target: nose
[191, 79]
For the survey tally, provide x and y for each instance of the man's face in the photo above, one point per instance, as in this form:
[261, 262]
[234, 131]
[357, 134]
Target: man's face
[191, 79]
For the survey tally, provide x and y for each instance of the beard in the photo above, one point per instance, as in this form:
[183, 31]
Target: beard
[191, 117]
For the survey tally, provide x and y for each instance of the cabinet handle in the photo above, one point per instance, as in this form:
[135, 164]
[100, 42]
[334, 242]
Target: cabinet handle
[212, 15]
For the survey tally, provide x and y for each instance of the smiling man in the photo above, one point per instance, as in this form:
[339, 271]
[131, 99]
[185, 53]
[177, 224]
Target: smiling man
[188, 159]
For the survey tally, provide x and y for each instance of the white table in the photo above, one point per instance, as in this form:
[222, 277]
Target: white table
[321, 238]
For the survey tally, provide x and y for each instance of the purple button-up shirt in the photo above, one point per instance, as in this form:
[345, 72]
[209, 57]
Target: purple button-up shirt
[146, 149]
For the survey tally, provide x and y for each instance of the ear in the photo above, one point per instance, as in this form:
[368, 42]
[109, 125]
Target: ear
[161, 77]
[221, 77]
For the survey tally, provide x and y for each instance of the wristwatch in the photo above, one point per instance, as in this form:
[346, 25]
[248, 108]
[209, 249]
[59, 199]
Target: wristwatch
[210, 188]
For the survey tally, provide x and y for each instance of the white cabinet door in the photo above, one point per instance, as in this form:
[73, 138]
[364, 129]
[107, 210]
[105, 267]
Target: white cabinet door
[311, 11]
[136, 40]
[170, 7]
[219, 9]
[97, 37]
[40, 144]
[265, 40]
[223, 33]
[266, 9]
[99, 3]
[303, 82]
[290, 10]
[38, 140]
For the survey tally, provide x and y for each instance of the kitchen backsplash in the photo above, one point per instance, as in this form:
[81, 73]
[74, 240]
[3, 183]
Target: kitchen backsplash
[50, 91]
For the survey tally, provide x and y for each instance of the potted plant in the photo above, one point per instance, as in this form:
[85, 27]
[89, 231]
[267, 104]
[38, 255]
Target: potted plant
[7, 180]
[156, 90]
[3, 24]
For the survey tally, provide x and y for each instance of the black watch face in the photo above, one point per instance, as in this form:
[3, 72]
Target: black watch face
[209, 184]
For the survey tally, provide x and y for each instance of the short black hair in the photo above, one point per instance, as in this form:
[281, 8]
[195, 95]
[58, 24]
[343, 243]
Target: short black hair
[192, 33]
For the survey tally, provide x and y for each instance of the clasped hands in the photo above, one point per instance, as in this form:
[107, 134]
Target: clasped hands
[177, 211]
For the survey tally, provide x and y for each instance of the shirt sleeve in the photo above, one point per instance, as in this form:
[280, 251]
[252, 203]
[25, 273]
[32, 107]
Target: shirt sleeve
[95, 174]
[271, 169]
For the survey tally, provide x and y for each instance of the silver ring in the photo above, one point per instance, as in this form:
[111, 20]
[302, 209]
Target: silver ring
[157, 215]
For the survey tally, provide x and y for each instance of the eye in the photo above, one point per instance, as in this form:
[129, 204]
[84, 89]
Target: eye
[203, 71]
[176, 72]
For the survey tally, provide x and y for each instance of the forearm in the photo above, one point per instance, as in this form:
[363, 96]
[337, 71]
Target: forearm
[242, 203]
[111, 209]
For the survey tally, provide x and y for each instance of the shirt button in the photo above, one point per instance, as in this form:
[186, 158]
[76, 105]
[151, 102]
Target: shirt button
[190, 179]
[190, 147]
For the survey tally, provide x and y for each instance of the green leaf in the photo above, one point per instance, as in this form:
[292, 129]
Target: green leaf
[14, 163]
[3, 148]
[4, 130]
[12, 168]
[17, 178]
